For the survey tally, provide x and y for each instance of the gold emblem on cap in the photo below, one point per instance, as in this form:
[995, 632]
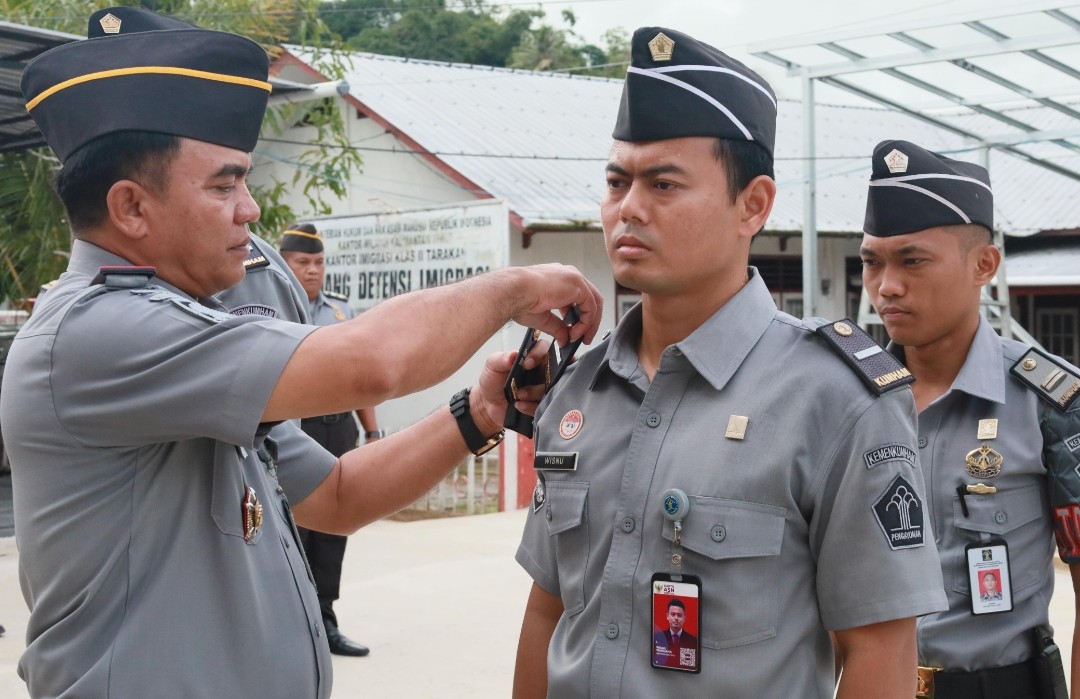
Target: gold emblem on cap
[661, 47]
[1029, 364]
[842, 328]
[984, 462]
[110, 24]
[736, 427]
[896, 161]
[987, 429]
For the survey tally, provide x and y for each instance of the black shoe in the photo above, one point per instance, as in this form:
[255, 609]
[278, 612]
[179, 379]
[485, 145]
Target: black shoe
[340, 645]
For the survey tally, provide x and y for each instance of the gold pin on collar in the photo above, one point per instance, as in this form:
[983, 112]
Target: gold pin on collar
[110, 24]
[661, 47]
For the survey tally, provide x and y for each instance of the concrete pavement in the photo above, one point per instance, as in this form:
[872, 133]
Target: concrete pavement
[420, 594]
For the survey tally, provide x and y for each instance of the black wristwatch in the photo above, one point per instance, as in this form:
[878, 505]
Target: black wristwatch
[477, 443]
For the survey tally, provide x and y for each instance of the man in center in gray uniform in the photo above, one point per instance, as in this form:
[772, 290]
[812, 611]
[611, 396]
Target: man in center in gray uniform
[715, 450]
[999, 429]
[155, 469]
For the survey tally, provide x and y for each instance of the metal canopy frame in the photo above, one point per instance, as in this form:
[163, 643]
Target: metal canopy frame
[984, 38]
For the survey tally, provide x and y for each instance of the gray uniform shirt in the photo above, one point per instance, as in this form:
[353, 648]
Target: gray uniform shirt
[783, 528]
[328, 309]
[269, 288]
[132, 419]
[1019, 512]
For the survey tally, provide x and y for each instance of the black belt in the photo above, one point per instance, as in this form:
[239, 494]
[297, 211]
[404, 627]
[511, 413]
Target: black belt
[1007, 682]
[327, 419]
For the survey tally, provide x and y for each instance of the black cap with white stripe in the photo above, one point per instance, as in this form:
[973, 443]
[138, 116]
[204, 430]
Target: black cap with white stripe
[677, 86]
[912, 189]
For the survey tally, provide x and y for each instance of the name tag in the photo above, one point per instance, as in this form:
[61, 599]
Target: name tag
[555, 461]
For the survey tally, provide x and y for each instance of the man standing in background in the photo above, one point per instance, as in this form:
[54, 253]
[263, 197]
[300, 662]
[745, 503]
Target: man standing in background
[302, 250]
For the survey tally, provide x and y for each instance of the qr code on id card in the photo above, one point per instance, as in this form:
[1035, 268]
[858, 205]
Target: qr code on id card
[687, 657]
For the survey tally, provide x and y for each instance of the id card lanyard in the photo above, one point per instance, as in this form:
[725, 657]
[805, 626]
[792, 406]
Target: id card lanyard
[676, 601]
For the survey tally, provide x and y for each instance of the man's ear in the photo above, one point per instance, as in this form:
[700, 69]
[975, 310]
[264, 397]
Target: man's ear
[126, 202]
[987, 259]
[755, 203]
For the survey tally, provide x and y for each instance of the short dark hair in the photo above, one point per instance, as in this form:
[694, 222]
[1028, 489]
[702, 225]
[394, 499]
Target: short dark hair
[743, 161]
[676, 603]
[84, 181]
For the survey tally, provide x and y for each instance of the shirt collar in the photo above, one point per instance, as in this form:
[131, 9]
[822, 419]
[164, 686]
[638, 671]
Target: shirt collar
[716, 349]
[981, 374]
[86, 258]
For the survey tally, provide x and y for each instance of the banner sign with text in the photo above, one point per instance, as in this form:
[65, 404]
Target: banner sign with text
[374, 257]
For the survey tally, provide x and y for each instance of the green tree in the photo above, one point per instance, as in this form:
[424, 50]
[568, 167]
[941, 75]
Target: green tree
[34, 235]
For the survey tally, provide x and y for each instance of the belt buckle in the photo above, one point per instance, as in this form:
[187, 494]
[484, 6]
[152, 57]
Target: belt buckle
[925, 685]
[331, 419]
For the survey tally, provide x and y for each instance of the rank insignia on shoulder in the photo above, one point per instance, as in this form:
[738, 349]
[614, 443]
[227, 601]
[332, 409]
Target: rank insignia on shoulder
[124, 277]
[255, 258]
[878, 369]
[1053, 379]
[335, 295]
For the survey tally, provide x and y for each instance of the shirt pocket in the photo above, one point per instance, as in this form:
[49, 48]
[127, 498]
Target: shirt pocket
[1009, 515]
[226, 506]
[565, 511]
[734, 547]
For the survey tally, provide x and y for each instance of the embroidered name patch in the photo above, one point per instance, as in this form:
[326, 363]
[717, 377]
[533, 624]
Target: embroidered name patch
[889, 452]
[1073, 443]
[556, 460]
[899, 513]
[256, 309]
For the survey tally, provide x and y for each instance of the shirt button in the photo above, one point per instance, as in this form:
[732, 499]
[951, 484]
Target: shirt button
[1000, 517]
[922, 442]
[628, 524]
[653, 420]
[612, 631]
[318, 631]
[718, 533]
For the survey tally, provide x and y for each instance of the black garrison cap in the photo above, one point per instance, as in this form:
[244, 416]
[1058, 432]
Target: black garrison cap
[677, 86]
[141, 71]
[301, 238]
[912, 189]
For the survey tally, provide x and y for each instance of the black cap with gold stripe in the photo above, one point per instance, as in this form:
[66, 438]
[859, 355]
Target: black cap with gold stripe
[140, 71]
[301, 237]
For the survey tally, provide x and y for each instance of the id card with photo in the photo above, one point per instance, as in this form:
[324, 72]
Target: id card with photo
[676, 613]
[989, 577]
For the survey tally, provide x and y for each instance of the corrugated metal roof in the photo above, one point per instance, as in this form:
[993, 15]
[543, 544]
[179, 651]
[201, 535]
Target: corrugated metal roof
[1053, 266]
[19, 45]
[541, 140]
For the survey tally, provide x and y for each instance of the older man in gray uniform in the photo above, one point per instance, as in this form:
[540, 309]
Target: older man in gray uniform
[715, 450]
[158, 554]
[998, 428]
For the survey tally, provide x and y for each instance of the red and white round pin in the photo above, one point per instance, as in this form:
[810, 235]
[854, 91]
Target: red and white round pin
[571, 424]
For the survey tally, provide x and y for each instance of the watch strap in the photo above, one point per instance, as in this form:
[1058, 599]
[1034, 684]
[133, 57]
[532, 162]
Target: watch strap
[477, 443]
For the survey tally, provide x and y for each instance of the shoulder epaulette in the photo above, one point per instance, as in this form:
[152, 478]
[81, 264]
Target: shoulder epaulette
[255, 258]
[1053, 379]
[124, 277]
[335, 295]
[878, 369]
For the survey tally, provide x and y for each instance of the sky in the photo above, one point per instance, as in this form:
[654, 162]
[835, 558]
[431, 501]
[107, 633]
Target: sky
[734, 25]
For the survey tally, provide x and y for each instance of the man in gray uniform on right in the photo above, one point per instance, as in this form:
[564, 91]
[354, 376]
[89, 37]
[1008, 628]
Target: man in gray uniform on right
[714, 450]
[999, 430]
